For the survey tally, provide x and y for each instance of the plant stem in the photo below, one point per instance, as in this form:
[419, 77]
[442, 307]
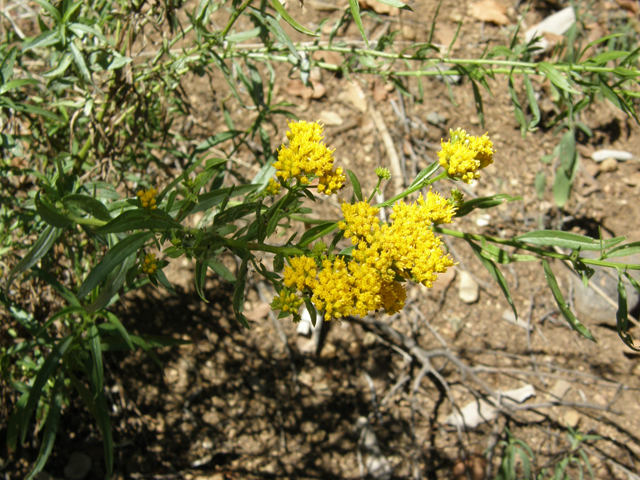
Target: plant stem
[234, 17]
[410, 190]
[538, 250]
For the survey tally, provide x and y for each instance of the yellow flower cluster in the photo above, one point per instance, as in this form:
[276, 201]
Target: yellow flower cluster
[287, 302]
[146, 197]
[367, 281]
[463, 155]
[307, 157]
[273, 188]
[149, 264]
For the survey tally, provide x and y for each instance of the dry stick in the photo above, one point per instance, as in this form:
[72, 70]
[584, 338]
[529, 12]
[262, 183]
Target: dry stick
[394, 160]
[374, 401]
[262, 293]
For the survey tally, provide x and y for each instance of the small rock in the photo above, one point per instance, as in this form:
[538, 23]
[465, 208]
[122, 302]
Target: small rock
[608, 165]
[408, 33]
[468, 291]
[632, 180]
[435, 118]
[330, 119]
[78, 466]
[602, 155]
[591, 169]
[444, 280]
[490, 11]
[560, 389]
[369, 339]
[354, 95]
[571, 418]
[557, 24]
[474, 120]
[315, 75]
[484, 220]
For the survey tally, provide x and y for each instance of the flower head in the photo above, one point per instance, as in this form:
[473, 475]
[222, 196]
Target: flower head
[287, 302]
[273, 188]
[463, 155]
[149, 265]
[307, 157]
[146, 198]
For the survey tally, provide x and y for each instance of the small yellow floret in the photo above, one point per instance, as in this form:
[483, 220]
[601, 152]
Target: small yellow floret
[302, 273]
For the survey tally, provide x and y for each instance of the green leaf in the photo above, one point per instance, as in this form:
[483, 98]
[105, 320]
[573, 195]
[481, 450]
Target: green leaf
[104, 422]
[97, 369]
[561, 187]
[495, 272]
[355, 12]
[138, 219]
[238, 292]
[15, 84]
[555, 77]
[49, 215]
[289, 19]
[314, 231]
[211, 199]
[45, 372]
[114, 257]
[533, 102]
[605, 57]
[200, 277]
[77, 309]
[312, 311]
[568, 153]
[114, 282]
[89, 205]
[80, 63]
[425, 173]
[622, 315]
[562, 304]
[221, 270]
[477, 97]
[113, 320]
[517, 106]
[356, 185]
[216, 139]
[6, 67]
[485, 202]
[164, 281]
[242, 36]
[624, 250]
[43, 40]
[53, 11]
[44, 243]
[396, 3]
[13, 427]
[51, 428]
[554, 238]
[540, 184]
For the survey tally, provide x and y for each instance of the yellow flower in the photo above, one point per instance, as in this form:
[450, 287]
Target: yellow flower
[463, 155]
[306, 157]
[146, 198]
[273, 188]
[287, 302]
[149, 264]
[302, 273]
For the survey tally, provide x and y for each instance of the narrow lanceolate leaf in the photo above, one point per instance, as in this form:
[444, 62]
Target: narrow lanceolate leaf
[113, 259]
[221, 270]
[45, 241]
[115, 280]
[561, 187]
[201, 276]
[425, 173]
[624, 250]
[138, 219]
[396, 3]
[540, 184]
[495, 272]
[96, 355]
[568, 154]
[555, 77]
[238, 292]
[485, 202]
[355, 11]
[49, 215]
[104, 422]
[51, 429]
[553, 238]
[622, 315]
[118, 324]
[533, 102]
[289, 19]
[48, 367]
[562, 304]
[13, 427]
[87, 204]
[356, 185]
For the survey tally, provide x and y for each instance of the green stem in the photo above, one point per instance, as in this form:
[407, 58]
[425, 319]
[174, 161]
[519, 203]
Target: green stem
[234, 17]
[374, 190]
[310, 221]
[410, 190]
[538, 250]
[262, 247]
